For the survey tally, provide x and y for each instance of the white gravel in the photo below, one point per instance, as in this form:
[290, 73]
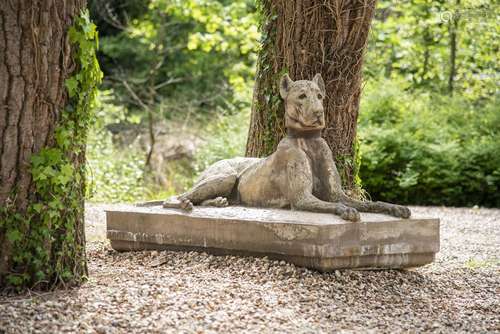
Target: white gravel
[200, 293]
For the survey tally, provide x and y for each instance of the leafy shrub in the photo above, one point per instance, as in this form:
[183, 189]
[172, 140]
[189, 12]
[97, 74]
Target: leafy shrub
[422, 148]
[114, 175]
[117, 174]
[226, 138]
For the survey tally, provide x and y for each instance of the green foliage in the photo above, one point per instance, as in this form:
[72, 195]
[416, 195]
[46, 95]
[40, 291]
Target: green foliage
[424, 148]
[411, 40]
[225, 138]
[115, 175]
[117, 178]
[419, 145]
[188, 57]
[172, 59]
[46, 241]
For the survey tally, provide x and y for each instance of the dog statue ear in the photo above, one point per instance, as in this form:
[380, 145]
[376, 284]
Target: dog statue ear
[285, 85]
[319, 81]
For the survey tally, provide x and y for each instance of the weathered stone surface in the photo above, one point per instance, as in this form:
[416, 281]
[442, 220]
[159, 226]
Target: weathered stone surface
[315, 240]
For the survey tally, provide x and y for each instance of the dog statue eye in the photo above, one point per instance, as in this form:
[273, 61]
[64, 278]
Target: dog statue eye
[302, 96]
[320, 96]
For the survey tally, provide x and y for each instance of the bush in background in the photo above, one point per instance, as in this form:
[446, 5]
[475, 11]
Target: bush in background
[225, 138]
[114, 174]
[423, 148]
[118, 174]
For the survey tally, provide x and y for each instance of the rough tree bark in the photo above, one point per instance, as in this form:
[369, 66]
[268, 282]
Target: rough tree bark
[453, 30]
[36, 57]
[304, 37]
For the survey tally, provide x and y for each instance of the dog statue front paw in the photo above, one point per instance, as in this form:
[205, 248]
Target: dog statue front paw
[400, 211]
[350, 214]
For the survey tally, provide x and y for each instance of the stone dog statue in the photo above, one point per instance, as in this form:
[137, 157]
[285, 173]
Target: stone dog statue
[301, 174]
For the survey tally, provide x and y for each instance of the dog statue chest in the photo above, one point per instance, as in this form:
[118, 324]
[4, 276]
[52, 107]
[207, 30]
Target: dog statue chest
[316, 155]
[316, 150]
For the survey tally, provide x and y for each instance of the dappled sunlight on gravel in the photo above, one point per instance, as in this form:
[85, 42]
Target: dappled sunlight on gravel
[170, 292]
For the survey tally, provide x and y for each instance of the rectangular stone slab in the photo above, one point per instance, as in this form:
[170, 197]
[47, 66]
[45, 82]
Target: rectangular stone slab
[315, 240]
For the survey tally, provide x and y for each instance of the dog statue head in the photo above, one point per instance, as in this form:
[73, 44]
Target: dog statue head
[303, 103]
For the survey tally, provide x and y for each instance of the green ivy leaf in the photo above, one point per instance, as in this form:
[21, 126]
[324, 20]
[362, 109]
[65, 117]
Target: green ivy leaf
[36, 160]
[65, 175]
[71, 85]
[38, 207]
[14, 235]
[74, 35]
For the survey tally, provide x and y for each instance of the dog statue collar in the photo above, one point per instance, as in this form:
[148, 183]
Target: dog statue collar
[292, 133]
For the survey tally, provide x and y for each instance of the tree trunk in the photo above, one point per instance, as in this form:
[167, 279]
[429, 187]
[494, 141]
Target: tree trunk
[453, 28]
[41, 231]
[301, 38]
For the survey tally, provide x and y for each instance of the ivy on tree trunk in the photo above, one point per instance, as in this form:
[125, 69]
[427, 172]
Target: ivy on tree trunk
[49, 75]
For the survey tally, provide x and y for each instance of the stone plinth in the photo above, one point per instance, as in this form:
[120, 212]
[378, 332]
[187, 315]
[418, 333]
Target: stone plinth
[315, 240]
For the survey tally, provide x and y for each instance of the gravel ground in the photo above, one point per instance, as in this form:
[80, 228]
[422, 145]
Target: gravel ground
[200, 293]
